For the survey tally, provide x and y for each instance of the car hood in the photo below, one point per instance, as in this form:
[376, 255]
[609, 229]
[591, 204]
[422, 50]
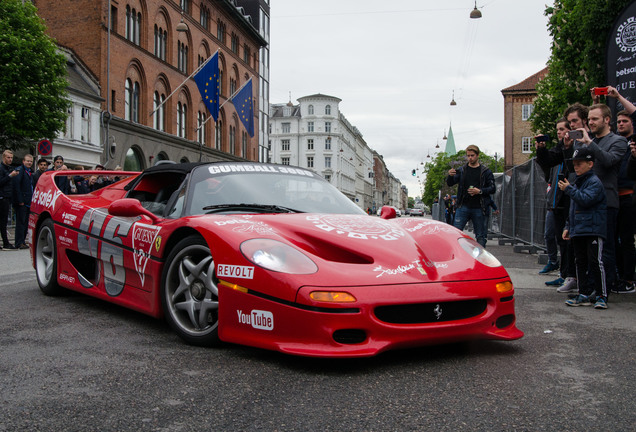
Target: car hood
[360, 249]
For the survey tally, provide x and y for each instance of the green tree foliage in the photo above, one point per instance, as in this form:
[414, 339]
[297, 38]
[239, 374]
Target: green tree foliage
[436, 172]
[579, 31]
[33, 98]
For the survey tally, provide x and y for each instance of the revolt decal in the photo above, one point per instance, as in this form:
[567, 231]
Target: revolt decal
[235, 271]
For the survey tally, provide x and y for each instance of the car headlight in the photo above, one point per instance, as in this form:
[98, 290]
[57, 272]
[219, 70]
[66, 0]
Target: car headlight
[476, 251]
[277, 256]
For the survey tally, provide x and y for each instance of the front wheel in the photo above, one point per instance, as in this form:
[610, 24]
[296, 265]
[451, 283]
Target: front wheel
[46, 259]
[189, 292]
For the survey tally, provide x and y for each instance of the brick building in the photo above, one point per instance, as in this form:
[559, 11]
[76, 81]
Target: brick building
[518, 106]
[140, 52]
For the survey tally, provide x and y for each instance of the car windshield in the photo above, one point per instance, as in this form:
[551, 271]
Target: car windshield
[258, 188]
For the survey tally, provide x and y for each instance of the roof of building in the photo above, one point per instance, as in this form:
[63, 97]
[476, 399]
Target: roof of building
[528, 84]
[277, 110]
[320, 96]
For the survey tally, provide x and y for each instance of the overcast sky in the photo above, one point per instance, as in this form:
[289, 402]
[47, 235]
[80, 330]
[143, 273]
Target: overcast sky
[396, 64]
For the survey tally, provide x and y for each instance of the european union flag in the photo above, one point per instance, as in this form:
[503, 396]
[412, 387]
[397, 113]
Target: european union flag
[242, 101]
[207, 80]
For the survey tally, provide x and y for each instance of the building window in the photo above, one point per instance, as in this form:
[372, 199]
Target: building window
[310, 126]
[310, 110]
[327, 161]
[310, 161]
[328, 143]
[244, 144]
[159, 110]
[204, 19]
[234, 43]
[328, 127]
[526, 145]
[284, 145]
[133, 25]
[69, 123]
[161, 38]
[232, 86]
[284, 161]
[247, 53]
[526, 111]
[310, 144]
[86, 124]
[132, 101]
[201, 127]
[220, 31]
[134, 160]
[182, 57]
[328, 110]
[232, 139]
[328, 177]
[182, 117]
[113, 19]
[185, 5]
[286, 127]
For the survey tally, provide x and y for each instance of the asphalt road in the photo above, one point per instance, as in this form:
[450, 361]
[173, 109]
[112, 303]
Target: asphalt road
[77, 364]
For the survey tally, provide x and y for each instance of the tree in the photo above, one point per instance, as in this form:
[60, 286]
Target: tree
[33, 97]
[579, 31]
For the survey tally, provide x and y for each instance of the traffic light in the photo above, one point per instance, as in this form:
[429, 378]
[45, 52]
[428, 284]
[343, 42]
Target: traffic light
[413, 173]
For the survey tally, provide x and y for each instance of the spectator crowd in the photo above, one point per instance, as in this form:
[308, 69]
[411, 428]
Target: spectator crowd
[590, 217]
[17, 184]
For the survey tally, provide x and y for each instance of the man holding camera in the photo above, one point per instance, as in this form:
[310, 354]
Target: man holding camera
[557, 162]
[6, 194]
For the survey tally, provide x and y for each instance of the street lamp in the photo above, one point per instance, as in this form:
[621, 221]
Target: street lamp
[475, 13]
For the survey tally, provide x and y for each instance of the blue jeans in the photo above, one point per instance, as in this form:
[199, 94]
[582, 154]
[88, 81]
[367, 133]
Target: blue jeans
[464, 214]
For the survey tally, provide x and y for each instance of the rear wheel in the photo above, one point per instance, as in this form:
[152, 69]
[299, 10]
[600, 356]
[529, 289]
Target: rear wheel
[189, 292]
[46, 259]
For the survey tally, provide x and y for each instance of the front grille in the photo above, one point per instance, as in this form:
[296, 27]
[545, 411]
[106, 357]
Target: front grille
[430, 312]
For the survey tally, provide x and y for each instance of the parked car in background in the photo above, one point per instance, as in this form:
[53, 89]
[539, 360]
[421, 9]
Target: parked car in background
[416, 212]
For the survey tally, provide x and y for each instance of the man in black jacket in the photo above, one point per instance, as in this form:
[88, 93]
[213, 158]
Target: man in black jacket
[557, 162]
[22, 193]
[6, 187]
[476, 184]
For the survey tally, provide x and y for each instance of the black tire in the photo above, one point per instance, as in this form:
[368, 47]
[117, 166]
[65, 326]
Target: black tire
[189, 292]
[46, 259]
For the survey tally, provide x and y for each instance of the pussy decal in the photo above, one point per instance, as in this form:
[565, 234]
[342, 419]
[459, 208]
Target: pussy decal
[359, 227]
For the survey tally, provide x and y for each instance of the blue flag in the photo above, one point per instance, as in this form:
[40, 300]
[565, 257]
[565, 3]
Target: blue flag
[207, 80]
[242, 101]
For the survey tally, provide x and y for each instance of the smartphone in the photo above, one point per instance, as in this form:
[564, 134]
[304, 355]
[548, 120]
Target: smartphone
[560, 177]
[600, 91]
[575, 134]
[543, 138]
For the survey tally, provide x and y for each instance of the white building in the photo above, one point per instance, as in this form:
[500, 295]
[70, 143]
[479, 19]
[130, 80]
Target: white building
[81, 143]
[314, 134]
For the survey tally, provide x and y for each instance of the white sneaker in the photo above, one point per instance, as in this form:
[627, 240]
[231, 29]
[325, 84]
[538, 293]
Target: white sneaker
[569, 285]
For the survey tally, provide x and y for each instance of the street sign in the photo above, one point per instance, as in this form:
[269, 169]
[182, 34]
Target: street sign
[45, 147]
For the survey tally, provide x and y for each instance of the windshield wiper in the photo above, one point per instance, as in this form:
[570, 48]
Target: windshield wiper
[264, 208]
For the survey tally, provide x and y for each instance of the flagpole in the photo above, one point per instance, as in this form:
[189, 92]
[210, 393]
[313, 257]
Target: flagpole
[181, 85]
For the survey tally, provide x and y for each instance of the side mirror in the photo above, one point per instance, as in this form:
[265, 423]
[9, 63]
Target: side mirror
[129, 207]
[387, 212]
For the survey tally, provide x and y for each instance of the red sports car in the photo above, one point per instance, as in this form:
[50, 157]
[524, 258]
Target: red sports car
[270, 256]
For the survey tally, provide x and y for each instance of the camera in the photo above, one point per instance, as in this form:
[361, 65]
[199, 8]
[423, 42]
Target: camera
[575, 134]
[600, 91]
[543, 138]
